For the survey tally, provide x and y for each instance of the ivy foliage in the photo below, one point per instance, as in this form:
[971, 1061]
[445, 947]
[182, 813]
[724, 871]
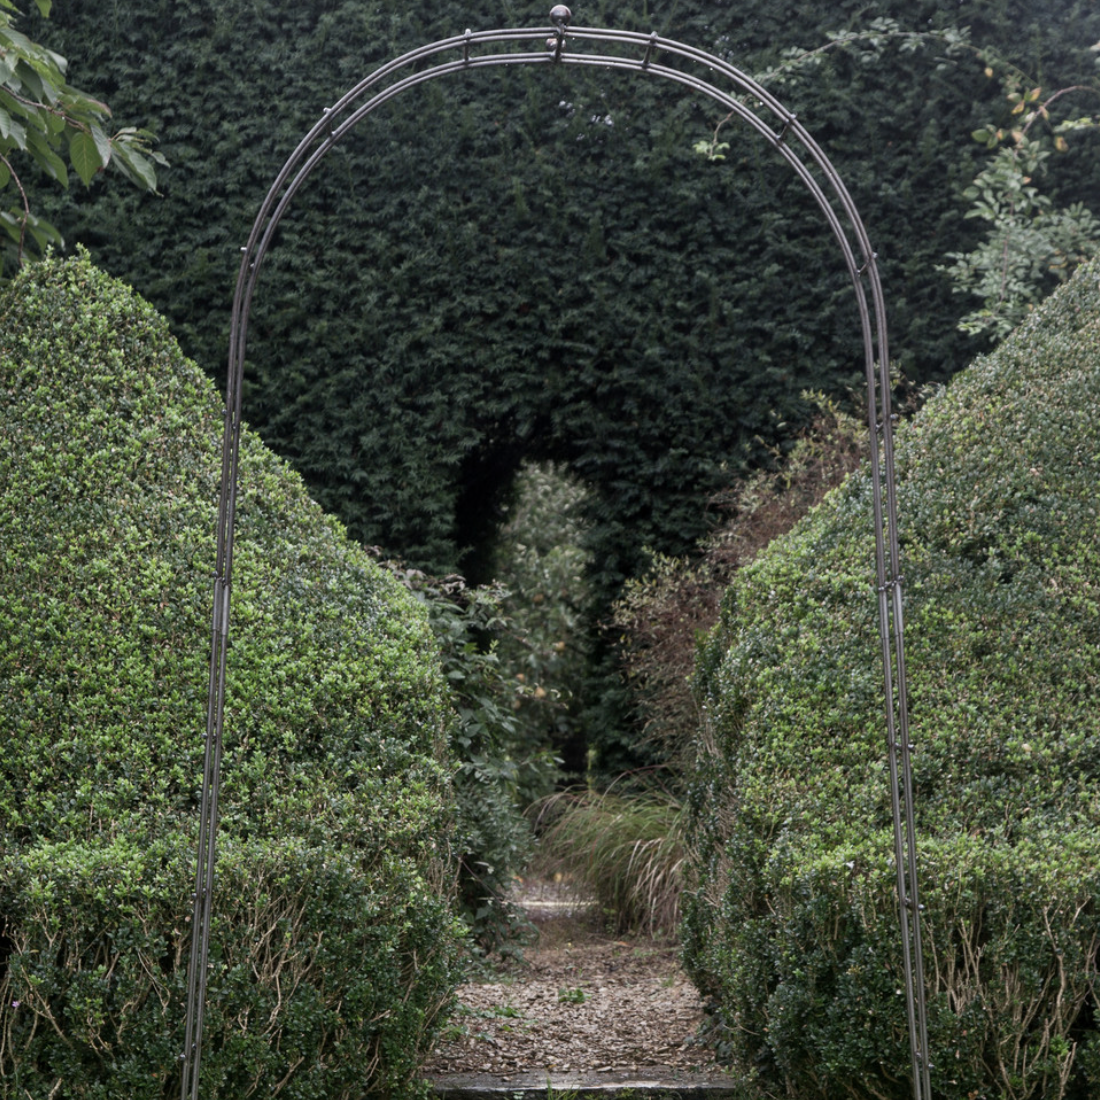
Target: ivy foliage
[794, 929]
[333, 944]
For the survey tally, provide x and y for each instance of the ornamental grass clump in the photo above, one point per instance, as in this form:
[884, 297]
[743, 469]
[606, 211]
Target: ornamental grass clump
[792, 927]
[333, 944]
[626, 850]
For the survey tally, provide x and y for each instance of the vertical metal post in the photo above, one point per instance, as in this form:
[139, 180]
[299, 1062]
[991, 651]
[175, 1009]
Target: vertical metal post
[206, 855]
[891, 624]
[880, 420]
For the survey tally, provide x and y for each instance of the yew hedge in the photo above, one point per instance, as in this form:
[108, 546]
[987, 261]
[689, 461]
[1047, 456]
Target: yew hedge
[535, 265]
[334, 944]
[793, 926]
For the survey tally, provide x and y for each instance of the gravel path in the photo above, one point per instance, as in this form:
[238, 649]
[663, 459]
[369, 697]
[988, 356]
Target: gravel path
[580, 1001]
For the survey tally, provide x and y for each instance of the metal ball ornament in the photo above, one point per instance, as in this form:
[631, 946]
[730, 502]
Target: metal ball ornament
[560, 16]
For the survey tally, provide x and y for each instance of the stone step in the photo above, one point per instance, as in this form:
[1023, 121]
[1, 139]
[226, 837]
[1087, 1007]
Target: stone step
[613, 1085]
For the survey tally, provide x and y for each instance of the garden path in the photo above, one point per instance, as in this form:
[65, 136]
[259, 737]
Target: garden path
[581, 1004]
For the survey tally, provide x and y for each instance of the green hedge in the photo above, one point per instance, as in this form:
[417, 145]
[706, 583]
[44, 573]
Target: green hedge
[793, 927]
[334, 944]
[534, 264]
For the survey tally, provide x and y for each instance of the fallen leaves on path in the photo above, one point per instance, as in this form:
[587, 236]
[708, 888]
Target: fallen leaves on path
[579, 1001]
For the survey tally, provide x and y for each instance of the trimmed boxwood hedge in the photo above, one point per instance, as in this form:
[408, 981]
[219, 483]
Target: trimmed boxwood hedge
[793, 927]
[334, 944]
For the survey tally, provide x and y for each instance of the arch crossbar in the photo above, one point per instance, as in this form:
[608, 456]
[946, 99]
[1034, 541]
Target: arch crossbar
[700, 72]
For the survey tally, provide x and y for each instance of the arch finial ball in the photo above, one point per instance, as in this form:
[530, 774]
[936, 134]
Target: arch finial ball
[560, 16]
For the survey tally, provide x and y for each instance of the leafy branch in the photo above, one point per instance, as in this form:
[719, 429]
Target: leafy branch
[1028, 240]
[797, 60]
[879, 34]
[46, 122]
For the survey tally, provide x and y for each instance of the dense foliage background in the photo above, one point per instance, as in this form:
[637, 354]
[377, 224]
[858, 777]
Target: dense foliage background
[537, 264]
[531, 322]
[793, 925]
[333, 945]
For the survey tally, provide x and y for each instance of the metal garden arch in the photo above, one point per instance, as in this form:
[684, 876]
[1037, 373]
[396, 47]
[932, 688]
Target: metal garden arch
[698, 71]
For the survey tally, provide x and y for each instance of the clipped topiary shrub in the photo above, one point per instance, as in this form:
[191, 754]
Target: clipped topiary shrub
[793, 926]
[334, 946]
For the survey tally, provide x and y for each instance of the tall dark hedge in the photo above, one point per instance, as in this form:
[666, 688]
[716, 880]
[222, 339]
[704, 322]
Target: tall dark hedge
[535, 263]
[333, 945]
[793, 928]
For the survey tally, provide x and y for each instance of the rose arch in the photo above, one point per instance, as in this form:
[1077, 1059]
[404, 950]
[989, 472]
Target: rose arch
[701, 73]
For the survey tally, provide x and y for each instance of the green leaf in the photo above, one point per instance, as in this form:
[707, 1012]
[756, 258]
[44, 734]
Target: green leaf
[40, 149]
[84, 154]
[44, 7]
[5, 175]
[12, 224]
[136, 167]
[103, 144]
[11, 104]
[12, 131]
[34, 85]
[43, 233]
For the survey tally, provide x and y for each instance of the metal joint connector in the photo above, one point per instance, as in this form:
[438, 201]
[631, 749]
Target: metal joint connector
[787, 123]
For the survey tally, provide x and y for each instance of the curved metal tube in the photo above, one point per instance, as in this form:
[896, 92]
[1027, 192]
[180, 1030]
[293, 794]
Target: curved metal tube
[339, 120]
